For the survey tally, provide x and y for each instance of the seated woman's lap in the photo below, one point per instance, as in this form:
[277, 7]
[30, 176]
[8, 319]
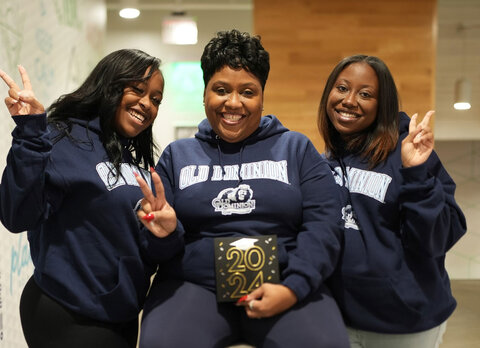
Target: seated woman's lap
[314, 322]
[182, 314]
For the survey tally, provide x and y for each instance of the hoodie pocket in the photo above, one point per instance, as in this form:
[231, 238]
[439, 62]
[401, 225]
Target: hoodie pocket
[124, 301]
[382, 303]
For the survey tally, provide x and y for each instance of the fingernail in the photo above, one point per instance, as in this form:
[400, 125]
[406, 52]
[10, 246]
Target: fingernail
[152, 169]
[149, 217]
[135, 173]
[242, 299]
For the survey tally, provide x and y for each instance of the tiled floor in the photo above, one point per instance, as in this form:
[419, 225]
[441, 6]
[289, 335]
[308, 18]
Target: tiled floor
[463, 326]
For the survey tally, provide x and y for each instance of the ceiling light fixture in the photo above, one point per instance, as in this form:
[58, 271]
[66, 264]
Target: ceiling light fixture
[129, 12]
[129, 9]
[463, 93]
[179, 29]
[463, 86]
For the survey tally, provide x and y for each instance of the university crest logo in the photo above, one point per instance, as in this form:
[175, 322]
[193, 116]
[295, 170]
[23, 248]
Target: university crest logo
[348, 215]
[234, 200]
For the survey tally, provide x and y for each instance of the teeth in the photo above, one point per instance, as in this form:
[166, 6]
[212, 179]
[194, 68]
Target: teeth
[135, 114]
[232, 117]
[347, 114]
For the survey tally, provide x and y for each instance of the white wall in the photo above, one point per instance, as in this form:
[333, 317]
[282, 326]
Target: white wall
[58, 42]
[458, 55]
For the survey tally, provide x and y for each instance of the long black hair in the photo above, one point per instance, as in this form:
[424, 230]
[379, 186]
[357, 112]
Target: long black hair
[236, 50]
[378, 140]
[100, 95]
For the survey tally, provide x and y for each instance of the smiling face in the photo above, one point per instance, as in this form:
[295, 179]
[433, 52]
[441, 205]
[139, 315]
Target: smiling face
[353, 101]
[233, 103]
[139, 105]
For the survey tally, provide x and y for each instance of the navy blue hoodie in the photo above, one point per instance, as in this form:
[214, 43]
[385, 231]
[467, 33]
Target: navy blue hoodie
[87, 247]
[288, 190]
[399, 223]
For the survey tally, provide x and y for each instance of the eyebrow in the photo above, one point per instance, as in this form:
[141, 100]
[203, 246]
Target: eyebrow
[246, 84]
[348, 81]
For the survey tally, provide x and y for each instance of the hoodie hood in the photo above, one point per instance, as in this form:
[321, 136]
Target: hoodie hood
[404, 121]
[92, 125]
[60, 128]
[269, 126]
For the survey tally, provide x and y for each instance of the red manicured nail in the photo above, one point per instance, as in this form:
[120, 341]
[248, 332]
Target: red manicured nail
[242, 299]
[149, 217]
[135, 173]
[152, 169]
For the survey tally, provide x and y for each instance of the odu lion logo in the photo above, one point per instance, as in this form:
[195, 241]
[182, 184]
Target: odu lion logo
[349, 217]
[236, 200]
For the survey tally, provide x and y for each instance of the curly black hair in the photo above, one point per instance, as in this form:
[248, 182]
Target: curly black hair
[236, 50]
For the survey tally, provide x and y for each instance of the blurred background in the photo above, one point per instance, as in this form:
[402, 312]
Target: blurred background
[432, 48]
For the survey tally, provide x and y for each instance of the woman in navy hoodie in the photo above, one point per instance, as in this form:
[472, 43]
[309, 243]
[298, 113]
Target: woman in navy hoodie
[399, 211]
[70, 181]
[244, 175]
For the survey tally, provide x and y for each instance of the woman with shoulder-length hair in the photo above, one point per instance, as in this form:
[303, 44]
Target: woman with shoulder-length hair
[399, 211]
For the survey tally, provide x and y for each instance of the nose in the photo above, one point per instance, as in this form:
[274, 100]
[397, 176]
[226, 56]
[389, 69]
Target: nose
[145, 102]
[233, 101]
[350, 100]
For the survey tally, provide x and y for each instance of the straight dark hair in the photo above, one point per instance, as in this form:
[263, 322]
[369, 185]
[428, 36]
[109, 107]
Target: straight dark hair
[100, 95]
[378, 140]
[238, 51]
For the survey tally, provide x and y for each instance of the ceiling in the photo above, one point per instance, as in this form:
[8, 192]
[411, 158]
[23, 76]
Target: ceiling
[458, 55]
[183, 5]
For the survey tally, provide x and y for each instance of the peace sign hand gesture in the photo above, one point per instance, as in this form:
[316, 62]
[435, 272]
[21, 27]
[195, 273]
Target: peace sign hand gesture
[21, 102]
[155, 212]
[418, 145]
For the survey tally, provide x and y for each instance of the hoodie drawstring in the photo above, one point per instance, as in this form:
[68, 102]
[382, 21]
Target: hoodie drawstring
[219, 151]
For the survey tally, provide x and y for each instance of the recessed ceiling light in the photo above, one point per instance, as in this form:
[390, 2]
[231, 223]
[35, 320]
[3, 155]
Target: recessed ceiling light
[129, 13]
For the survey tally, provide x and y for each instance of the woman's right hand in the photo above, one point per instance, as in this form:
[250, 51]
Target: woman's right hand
[21, 101]
[155, 213]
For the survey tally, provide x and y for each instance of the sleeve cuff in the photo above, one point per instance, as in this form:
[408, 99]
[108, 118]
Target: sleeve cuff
[29, 126]
[161, 249]
[415, 174]
[299, 285]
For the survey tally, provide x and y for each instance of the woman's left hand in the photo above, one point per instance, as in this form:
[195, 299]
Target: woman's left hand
[268, 300]
[155, 212]
[418, 145]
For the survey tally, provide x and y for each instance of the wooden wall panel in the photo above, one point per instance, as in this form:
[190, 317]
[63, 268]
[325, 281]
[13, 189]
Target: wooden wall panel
[306, 38]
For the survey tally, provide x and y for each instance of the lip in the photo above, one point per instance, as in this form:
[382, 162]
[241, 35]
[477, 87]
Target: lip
[346, 116]
[138, 117]
[232, 119]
